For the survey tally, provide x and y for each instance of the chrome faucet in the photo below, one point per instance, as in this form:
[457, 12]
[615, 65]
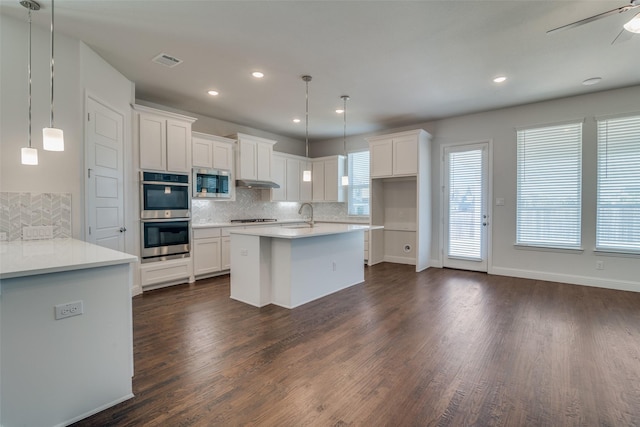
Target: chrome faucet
[311, 222]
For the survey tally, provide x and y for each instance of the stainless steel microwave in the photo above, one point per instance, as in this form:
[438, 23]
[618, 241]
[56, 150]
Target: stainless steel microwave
[211, 183]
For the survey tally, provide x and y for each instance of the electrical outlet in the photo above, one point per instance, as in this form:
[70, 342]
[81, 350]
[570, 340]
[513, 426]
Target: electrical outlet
[39, 232]
[599, 265]
[244, 252]
[69, 309]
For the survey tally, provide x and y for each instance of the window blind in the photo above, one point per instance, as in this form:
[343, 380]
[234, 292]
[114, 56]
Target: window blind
[358, 191]
[618, 205]
[549, 186]
[465, 204]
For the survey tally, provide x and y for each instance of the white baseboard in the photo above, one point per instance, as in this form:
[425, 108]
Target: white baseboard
[95, 411]
[621, 285]
[437, 263]
[136, 290]
[400, 260]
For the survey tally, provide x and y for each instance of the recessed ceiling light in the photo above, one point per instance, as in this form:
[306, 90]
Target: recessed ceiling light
[296, 120]
[213, 93]
[499, 79]
[257, 74]
[592, 81]
[339, 111]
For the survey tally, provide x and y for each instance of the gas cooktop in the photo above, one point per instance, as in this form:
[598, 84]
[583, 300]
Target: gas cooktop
[254, 220]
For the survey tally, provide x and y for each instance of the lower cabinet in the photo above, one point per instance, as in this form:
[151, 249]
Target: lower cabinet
[165, 273]
[210, 251]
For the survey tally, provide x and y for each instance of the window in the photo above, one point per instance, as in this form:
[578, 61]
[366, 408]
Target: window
[358, 191]
[618, 215]
[549, 182]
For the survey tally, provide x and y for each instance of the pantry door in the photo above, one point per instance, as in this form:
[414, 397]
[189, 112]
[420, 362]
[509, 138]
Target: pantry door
[466, 217]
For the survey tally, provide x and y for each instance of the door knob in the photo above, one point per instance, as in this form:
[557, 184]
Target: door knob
[123, 229]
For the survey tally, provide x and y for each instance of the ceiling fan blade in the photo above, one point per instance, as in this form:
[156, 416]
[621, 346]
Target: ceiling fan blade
[591, 19]
[622, 36]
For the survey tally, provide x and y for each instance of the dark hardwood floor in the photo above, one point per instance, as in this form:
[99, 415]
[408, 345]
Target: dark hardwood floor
[437, 348]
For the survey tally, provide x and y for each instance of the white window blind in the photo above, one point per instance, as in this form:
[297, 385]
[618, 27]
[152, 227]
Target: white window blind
[465, 204]
[618, 216]
[549, 181]
[358, 192]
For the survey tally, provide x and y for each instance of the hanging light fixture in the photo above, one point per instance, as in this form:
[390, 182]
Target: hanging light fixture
[29, 155]
[52, 138]
[345, 177]
[306, 175]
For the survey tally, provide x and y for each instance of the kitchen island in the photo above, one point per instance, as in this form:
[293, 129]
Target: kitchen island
[66, 348]
[291, 265]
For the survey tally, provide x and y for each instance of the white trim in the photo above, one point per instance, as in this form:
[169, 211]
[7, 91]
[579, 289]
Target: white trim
[436, 263]
[95, 411]
[551, 124]
[616, 116]
[621, 285]
[151, 110]
[524, 247]
[617, 253]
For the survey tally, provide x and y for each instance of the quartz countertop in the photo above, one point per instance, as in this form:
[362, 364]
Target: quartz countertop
[27, 258]
[302, 231]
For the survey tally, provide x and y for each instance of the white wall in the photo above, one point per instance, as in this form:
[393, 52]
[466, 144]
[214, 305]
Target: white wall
[57, 172]
[499, 126]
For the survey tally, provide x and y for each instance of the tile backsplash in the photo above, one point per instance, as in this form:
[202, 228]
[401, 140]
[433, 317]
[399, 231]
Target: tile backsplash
[19, 210]
[249, 204]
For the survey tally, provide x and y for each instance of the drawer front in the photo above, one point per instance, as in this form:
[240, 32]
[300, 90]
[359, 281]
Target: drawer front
[205, 233]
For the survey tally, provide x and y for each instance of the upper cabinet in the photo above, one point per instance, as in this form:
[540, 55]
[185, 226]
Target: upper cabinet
[287, 172]
[394, 154]
[164, 139]
[253, 159]
[212, 152]
[327, 175]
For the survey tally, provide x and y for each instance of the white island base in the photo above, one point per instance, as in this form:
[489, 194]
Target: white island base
[290, 267]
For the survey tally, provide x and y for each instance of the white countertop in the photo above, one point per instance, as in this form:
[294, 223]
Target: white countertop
[296, 232]
[274, 223]
[27, 258]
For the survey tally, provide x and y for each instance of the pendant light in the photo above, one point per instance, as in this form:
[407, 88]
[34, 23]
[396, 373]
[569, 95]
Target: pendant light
[52, 138]
[306, 175]
[345, 177]
[29, 155]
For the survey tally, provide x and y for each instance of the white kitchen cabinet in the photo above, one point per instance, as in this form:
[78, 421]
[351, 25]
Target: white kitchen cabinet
[287, 172]
[394, 154]
[327, 179]
[212, 152]
[279, 176]
[165, 273]
[400, 199]
[225, 251]
[253, 157]
[164, 140]
[206, 251]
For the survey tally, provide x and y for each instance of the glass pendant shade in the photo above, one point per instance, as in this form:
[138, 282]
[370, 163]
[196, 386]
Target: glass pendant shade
[345, 180]
[52, 139]
[306, 176]
[633, 25]
[29, 156]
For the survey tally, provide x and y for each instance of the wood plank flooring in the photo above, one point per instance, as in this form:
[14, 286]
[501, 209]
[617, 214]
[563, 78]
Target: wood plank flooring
[437, 348]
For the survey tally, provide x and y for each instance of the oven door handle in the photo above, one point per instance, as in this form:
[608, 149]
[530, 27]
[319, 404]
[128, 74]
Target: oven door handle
[166, 184]
[180, 219]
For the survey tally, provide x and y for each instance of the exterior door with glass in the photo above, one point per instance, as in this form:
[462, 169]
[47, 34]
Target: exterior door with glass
[466, 217]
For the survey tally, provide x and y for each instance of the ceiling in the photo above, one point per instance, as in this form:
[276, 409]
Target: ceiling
[401, 62]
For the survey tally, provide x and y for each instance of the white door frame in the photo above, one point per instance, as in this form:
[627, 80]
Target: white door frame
[443, 147]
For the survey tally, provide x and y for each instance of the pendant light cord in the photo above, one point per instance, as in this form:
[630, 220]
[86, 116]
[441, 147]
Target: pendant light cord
[29, 70]
[51, 123]
[344, 112]
[307, 79]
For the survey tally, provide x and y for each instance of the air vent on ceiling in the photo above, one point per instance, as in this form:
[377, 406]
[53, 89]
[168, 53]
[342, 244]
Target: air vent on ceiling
[167, 60]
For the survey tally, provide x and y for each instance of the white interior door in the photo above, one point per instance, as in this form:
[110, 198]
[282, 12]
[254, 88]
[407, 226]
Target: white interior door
[105, 176]
[465, 207]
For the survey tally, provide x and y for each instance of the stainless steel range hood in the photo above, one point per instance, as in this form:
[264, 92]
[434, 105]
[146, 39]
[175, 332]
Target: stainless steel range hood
[248, 183]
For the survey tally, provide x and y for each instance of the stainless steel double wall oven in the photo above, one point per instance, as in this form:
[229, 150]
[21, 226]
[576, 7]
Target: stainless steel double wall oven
[165, 215]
